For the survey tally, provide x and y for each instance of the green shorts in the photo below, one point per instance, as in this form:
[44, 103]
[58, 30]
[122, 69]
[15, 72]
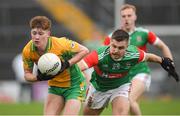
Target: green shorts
[75, 92]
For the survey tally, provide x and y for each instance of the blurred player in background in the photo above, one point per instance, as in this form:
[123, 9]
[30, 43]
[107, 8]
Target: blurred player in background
[110, 80]
[139, 37]
[67, 89]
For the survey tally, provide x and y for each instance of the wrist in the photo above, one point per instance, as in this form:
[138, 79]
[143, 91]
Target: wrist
[38, 78]
[67, 64]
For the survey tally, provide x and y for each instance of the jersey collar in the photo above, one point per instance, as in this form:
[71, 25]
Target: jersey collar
[131, 32]
[48, 47]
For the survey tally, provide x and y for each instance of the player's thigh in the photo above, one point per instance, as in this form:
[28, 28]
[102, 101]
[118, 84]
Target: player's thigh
[74, 97]
[120, 105]
[89, 111]
[120, 99]
[54, 104]
[72, 107]
[96, 99]
[139, 84]
[87, 74]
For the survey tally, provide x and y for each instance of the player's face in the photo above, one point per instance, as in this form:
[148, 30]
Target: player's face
[40, 37]
[128, 18]
[118, 49]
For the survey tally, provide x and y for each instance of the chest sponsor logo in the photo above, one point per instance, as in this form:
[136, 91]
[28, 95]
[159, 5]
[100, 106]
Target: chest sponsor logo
[116, 66]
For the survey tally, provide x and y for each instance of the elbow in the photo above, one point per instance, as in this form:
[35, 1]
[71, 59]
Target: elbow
[86, 51]
[27, 79]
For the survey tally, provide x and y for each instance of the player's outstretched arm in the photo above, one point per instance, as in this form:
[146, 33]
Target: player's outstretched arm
[153, 58]
[169, 66]
[166, 63]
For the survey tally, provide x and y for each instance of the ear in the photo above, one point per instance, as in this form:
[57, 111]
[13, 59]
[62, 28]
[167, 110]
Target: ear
[110, 39]
[49, 33]
[135, 17]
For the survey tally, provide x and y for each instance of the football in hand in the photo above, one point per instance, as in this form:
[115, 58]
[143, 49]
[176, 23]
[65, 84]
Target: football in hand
[49, 64]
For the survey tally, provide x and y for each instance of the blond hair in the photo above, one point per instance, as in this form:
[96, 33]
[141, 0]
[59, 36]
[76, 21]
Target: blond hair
[128, 6]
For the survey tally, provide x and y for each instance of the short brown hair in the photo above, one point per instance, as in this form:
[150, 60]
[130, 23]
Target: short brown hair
[127, 6]
[120, 35]
[40, 22]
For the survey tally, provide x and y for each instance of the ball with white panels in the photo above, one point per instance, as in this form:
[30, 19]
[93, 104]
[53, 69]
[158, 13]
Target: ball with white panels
[49, 64]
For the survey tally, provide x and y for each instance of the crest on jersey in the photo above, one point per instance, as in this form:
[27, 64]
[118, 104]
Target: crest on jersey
[72, 44]
[128, 64]
[139, 38]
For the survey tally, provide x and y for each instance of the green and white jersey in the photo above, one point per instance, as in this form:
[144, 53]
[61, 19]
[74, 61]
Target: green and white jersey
[108, 73]
[140, 37]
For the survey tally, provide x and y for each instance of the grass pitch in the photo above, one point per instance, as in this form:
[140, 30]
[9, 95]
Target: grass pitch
[148, 107]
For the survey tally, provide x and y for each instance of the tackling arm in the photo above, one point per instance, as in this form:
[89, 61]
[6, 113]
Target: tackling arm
[166, 63]
[153, 58]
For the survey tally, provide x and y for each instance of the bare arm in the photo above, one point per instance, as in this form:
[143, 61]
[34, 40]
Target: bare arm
[164, 49]
[83, 51]
[29, 76]
[153, 58]
[82, 65]
[86, 70]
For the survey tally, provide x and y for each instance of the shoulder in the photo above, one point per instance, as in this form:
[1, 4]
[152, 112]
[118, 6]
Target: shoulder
[132, 52]
[60, 39]
[141, 29]
[102, 49]
[27, 48]
[132, 48]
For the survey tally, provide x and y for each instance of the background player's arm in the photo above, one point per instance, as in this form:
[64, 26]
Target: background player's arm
[154, 40]
[164, 49]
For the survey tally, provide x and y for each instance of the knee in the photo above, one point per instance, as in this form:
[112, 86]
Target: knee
[132, 101]
[121, 111]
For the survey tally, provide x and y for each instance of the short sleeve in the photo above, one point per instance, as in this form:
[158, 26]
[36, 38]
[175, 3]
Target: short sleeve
[91, 59]
[141, 55]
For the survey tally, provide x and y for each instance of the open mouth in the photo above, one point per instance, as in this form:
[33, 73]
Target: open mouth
[126, 23]
[36, 42]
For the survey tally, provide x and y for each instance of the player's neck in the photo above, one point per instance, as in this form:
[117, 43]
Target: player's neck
[42, 49]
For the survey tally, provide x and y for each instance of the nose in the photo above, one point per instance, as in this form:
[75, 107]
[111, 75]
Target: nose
[115, 50]
[37, 36]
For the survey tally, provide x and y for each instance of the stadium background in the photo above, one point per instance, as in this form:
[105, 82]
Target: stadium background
[86, 21]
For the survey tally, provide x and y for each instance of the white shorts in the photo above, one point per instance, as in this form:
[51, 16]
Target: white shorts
[97, 99]
[145, 78]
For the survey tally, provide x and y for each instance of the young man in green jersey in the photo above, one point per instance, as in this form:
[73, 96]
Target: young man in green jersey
[110, 80]
[139, 37]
